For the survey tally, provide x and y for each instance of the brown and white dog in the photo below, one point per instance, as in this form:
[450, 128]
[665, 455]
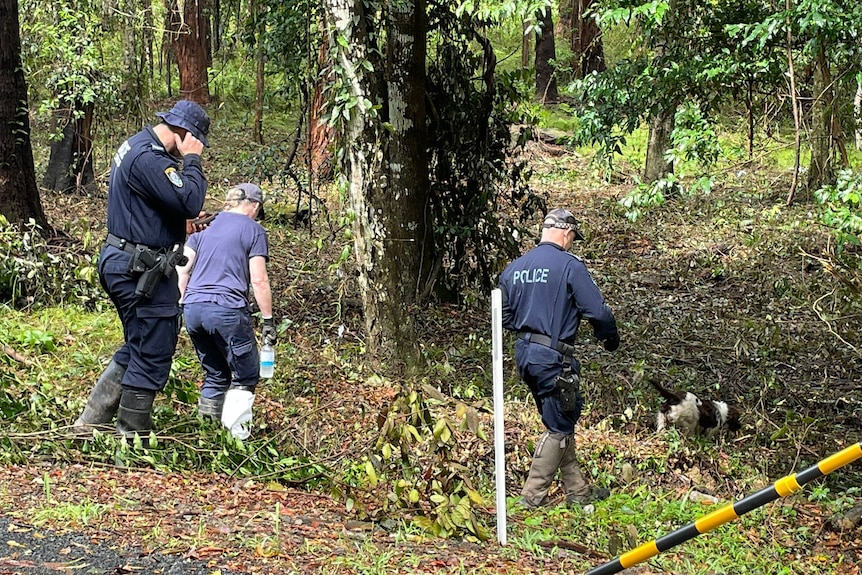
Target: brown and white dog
[692, 415]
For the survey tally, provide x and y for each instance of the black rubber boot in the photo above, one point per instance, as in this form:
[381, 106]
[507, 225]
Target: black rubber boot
[135, 414]
[211, 407]
[104, 399]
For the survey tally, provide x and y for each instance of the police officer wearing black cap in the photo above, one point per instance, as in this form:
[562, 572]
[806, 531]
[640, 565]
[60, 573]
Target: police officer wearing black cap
[546, 292]
[156, 185]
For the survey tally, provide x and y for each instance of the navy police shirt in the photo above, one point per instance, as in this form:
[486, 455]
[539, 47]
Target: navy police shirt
[149, 198]
[548, 291]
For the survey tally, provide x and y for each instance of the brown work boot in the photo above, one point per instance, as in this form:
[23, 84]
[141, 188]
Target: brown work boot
[546, 461]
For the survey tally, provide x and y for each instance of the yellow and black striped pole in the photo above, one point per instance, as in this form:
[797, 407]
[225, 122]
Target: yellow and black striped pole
[781, 488]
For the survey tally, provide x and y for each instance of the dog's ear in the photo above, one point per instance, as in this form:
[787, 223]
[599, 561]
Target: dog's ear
[708, 414]
[673, 397]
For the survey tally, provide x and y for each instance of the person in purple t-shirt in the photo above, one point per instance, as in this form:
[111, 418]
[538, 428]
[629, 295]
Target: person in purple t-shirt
[224, 259]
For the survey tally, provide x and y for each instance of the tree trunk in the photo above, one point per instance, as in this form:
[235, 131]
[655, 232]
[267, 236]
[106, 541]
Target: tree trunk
[857, 108]
[319, 131]
[190, 42]
[256, 13]
[70, 167]
[794, 103]
[656, 166]
[138, 56]
[402, 204]
[821, 171]
[386, 173]
[546, 81]
[217, 26]
[526, 48]
[166, 56]
[592, 49]
[148, 64]
[19, 196]
[360, 151]
[585, 38]
[661, 125]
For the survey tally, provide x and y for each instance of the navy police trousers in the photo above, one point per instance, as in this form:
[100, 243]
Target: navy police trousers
[539, 366]
[225, 344]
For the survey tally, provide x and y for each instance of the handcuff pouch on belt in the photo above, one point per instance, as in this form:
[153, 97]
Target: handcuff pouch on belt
[568, 384]
[153, 265]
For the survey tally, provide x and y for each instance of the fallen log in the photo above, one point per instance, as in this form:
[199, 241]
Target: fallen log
[849, 520]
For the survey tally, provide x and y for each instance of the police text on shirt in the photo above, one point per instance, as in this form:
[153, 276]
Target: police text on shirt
[534, 276]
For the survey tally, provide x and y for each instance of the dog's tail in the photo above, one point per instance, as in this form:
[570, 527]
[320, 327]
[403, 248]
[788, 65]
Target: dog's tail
[670, 395]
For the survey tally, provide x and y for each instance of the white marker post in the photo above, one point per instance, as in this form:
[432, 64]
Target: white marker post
[499, 436]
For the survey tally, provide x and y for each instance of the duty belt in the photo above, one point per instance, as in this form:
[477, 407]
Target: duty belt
[122, 244]
[542, 339]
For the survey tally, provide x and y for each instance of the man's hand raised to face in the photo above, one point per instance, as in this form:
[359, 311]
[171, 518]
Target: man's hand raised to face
[188, 144]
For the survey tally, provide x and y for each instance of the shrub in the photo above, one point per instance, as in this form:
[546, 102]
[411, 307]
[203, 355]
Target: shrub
[34, 269]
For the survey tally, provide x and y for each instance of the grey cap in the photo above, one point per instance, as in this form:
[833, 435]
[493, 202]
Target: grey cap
[189, 116]
[562, 219]
[245, 191]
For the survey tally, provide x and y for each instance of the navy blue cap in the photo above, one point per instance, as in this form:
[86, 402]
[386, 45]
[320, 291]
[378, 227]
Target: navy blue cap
[562, 219]
[190, 116]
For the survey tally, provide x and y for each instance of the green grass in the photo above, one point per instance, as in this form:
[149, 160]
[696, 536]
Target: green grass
[69, 514]
[776, 151]
[738, 323]
[755, 543]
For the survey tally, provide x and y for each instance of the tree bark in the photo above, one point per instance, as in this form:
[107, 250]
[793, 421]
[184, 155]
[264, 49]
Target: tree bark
[218, 27]
[656, 166]
[590, 45]
[148, 64]
[546, 81]
[320, 133]
[70, 166]
[821, 170]
[385, 186]
[661, 125]
[138, 42]
[403, 203]
[190, 42]
[857, 108]
[585, 38]
[19, 196]
[794, 102]
[256, 13]
[526, 48]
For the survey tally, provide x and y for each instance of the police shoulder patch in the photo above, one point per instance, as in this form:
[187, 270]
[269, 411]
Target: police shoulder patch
[174, 177]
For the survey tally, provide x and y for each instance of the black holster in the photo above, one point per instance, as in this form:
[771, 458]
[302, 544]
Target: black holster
[150, 277]
[568, 390]
[153, 265]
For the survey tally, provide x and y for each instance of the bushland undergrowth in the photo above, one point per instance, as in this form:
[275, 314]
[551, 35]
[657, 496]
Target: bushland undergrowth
[731, 294]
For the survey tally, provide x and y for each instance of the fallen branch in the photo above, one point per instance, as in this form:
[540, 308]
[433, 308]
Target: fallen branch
[16, 356]
[582, 549]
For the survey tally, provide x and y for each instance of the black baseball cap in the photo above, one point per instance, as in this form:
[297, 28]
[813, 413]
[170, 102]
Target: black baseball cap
[562, 219]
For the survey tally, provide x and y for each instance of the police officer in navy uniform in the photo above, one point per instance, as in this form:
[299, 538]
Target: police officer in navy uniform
[546, 293]
[156, 185]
